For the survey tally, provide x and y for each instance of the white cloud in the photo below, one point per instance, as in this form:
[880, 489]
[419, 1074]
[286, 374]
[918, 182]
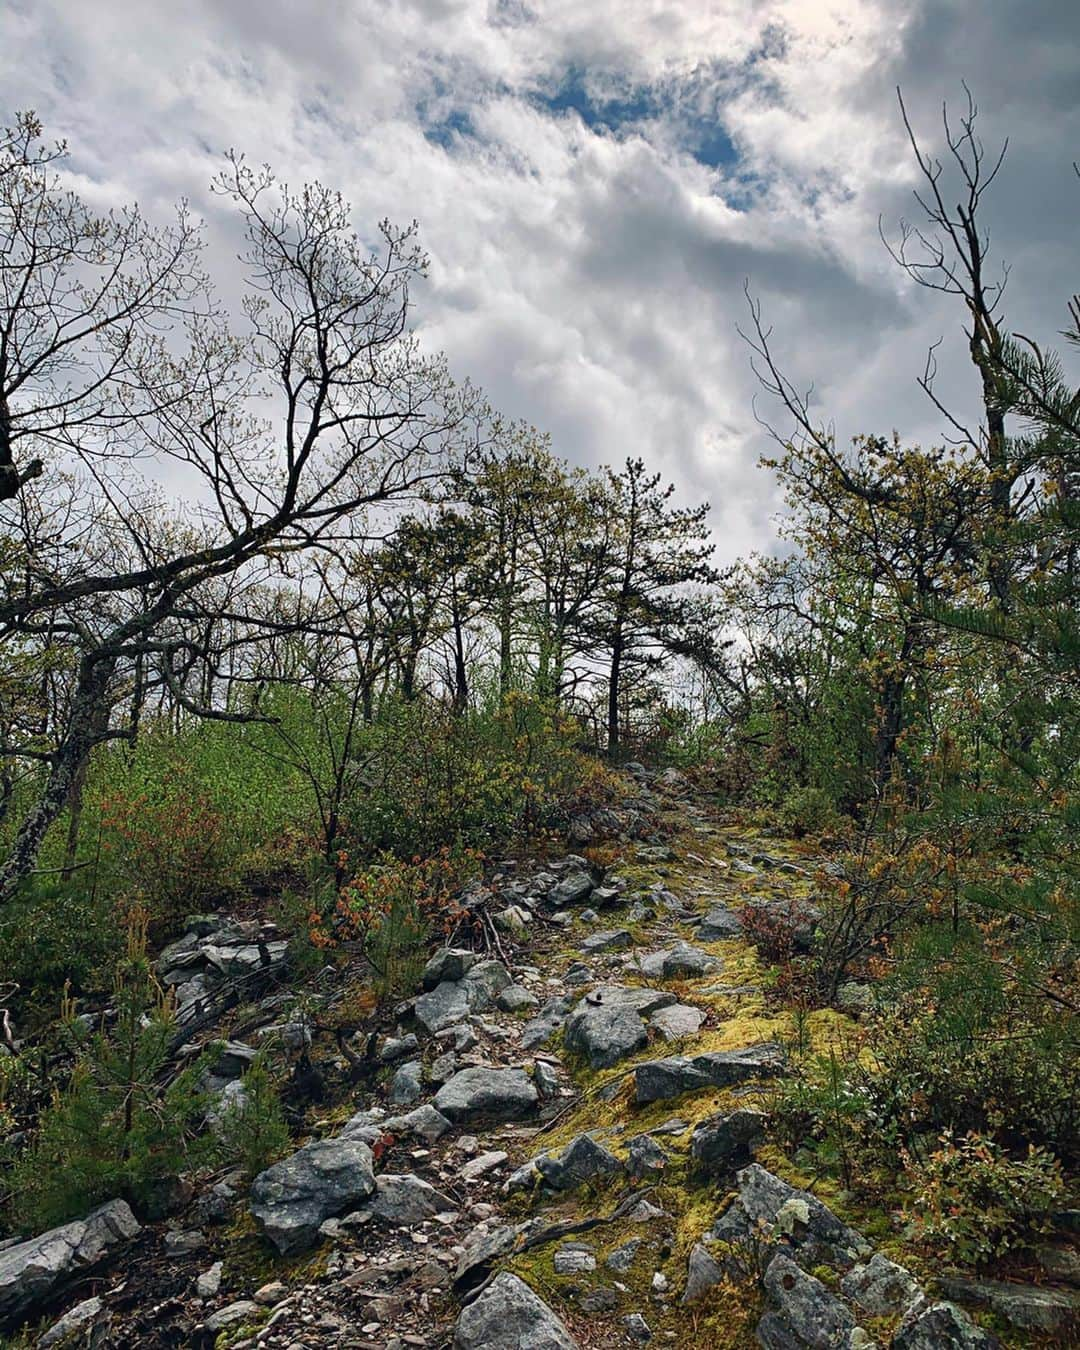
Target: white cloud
[592, 280]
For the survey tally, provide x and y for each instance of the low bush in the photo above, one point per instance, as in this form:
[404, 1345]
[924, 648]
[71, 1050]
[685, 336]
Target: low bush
[973, 1203]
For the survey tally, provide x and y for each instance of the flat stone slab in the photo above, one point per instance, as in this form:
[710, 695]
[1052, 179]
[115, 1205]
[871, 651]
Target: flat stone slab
[607, 1025]
[658, 1079]
[680, 961]
[483, 1093]
[33, 1270]
[677, 1022]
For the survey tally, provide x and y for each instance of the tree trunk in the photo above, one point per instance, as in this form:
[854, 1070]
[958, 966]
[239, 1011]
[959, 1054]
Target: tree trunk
[84, 721]
[613, 692]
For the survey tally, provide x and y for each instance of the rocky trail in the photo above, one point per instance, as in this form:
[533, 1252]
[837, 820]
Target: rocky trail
[557, 1142]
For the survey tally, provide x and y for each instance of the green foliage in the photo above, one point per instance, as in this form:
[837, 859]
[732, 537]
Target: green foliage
[252, 1133]
[809, 810]
[54, 934]
[433, 778]
[974, 1203]
[117, 1129]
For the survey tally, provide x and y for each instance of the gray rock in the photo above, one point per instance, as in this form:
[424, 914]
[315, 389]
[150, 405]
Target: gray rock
[622, 1258]
[808, 1314]
[637, 1328]
[797, 1220]
[451, 963]
[724, 1143]
[940, 1326]
[609, 940]
[322, 1180]
[508, 1316]
[880, 1287]
[582, 1160]
[400, 1048]
[678, 1022]
[719, 924]
[1022, 1305]
[645, 1157]
[408, 1084]
[680, 961]
[424, 1122]
[575, 887]
[231, 1315]
[516, 998]
[444, 1006]
[31, 1271]
[659, 1079]
[607, 1024]
[406, 1199]
[484, 1093]
[703, 1272]
[72, 1321]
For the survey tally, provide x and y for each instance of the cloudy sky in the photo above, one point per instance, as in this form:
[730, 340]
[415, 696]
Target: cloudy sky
[595, 181]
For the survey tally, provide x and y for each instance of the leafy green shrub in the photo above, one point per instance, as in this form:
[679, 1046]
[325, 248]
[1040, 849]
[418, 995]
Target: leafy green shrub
[391, 909]
[56, 934]
[974, 1203]
[432, 777]
[810, 811]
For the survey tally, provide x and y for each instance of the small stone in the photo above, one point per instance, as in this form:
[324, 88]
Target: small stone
[611, 940]
[407, 1085]
[703, 1273]
[570, 1260]
[231, 1314]
[443, 1068]
[637, 1328]
[659, 1282]
[189, 1241]
[268, 1294]
[209, 1282]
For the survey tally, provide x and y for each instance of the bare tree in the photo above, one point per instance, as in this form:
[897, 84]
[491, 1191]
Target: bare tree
[120, 373]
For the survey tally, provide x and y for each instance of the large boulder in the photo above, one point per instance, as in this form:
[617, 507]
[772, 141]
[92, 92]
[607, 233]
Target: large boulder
[658, 1079]
[322, 1180]
[31, 1271]
[509, 1316]
[802, 1312]
[484, 1093]
[793, 1219]
[607, 1025]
